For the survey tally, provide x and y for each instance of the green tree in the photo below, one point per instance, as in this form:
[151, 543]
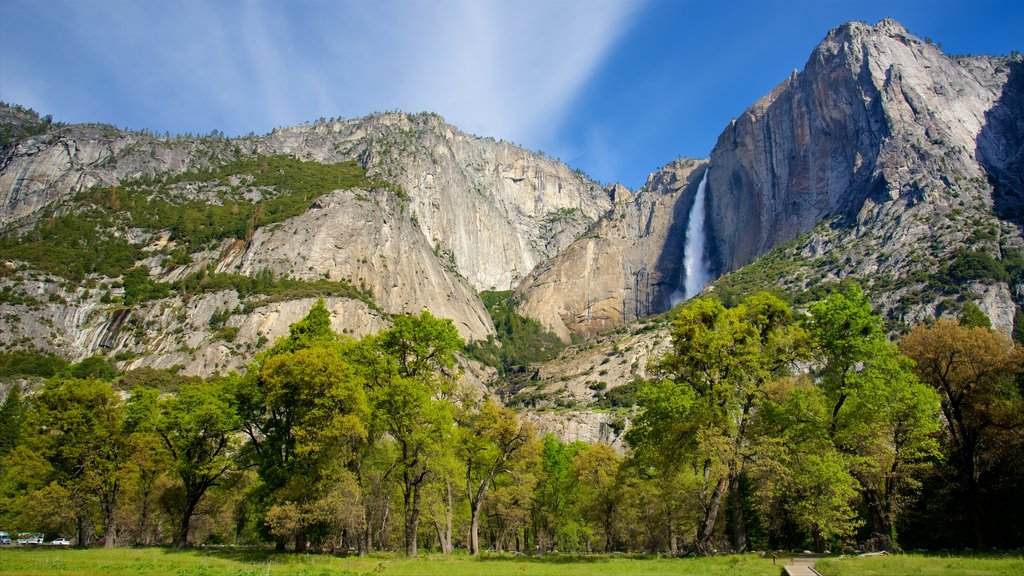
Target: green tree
[148, 458]
[12, 416]
[304, 409]
[596, 471]
[78, 426]
[972, 316]
[976, 373]
[712, 385]
[878, 414]
[94, 367]
[556, 517]
[412, 380]
[806, 491]
[197, 428]
[488, 440]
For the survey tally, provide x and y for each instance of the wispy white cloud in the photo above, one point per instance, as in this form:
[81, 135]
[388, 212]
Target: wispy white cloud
[509, 68]
[506, 69]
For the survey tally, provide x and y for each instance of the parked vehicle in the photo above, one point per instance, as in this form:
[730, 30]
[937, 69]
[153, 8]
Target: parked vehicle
[5, 539]
[60, 542]
[29, 538]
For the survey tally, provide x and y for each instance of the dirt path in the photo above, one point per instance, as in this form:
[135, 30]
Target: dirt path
[802, 565]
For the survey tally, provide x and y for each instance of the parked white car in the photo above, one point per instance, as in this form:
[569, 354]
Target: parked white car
[61, 542]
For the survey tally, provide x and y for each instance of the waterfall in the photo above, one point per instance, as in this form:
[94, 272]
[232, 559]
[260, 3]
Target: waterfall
[695, 268]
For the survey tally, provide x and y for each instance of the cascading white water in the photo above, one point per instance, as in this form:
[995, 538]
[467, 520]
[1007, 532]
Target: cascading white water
[695, 266]
[694, 262]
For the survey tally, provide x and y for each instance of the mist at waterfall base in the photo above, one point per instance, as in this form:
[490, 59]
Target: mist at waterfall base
[695, 268]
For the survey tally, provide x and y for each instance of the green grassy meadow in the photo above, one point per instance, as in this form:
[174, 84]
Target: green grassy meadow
[923, 565]
[157, 561]
[235, 562]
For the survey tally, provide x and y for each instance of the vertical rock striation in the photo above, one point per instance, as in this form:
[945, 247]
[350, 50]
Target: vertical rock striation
[877, 117]
[626, 267]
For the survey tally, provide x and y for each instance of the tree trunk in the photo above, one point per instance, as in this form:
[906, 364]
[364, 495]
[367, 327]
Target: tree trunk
[609, 538]
[181, 536]
[145, 537]
[706, 531]
[412, 519]
[973, 502]
[108, 508]
[739, 525]
[474, 529]
[443, 538]
[881, 520]
[364, 535]
[80, 529]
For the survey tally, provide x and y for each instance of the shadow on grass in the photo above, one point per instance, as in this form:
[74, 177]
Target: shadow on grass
[261, 555]
[543, 558]
[235, 553]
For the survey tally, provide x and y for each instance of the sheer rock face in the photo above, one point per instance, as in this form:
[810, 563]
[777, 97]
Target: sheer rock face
[876, 123]
[475, 214]
[580, 425]
[41, 170]
[165, 333]
[491, 208]
[626, 267]
[369, 240]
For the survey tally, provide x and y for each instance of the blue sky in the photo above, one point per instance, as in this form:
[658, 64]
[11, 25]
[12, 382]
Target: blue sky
[614, 87]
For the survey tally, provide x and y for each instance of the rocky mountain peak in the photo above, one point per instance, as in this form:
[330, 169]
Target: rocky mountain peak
[909, 155]
[875, 116]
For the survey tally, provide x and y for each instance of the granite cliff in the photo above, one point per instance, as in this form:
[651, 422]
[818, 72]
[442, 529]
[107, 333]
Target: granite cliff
[440, 216]
[627, 267]
[888, 160]
[877, 122]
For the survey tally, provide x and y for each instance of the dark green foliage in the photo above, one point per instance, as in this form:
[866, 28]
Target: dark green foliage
[1013, 262]
[73, 245]
[96, 367]
[19, 123]
[821, 290]
[30, 363]
[623, 396]
[288, 187]
[766, 274]
[266, 284]
[972, 316]
[1018, 326]
[85, 241]
[973, 266]
[965, 268]
[14, 298]
[523, 340]
[139, 287]
[164, 380]
[12, 415]
[313, 330]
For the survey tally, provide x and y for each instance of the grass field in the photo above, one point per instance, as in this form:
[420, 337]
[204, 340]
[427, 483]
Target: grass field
[923, 565]
[158, 561]
[153, 561]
